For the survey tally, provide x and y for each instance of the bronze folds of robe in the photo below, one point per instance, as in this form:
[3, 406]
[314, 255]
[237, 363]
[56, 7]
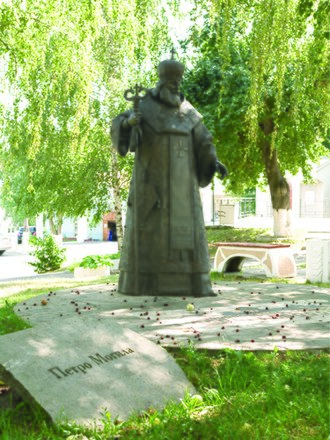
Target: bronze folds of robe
[164, 240]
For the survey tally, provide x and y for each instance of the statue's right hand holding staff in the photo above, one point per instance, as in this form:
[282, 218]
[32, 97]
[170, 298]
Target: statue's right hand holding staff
[133, 120]
[135, 95]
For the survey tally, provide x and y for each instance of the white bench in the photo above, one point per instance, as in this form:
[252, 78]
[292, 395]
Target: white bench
[277, 259]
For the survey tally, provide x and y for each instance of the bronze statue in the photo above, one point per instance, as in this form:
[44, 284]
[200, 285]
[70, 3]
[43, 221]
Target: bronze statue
[165, 249]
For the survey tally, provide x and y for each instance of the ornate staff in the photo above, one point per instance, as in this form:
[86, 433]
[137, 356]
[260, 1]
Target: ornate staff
[136, 96]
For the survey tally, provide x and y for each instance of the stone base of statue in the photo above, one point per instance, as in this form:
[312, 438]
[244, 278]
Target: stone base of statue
[165, 284]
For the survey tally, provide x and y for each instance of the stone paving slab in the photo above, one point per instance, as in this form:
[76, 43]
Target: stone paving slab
[243, 315]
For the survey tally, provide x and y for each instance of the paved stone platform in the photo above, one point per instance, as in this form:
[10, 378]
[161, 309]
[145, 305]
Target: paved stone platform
[243, 315]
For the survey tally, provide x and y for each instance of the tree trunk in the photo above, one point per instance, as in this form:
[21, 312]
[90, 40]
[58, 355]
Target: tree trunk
[279, 187]
[118, 202]
[26, 233]
[26, 225]
[56, 225]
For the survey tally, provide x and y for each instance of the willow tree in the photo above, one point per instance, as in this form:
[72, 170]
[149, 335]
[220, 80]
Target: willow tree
[262, 84]
[51, 125]
[68, 65]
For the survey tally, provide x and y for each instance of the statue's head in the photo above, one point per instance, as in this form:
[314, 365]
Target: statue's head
[170, 70]
[170, 74]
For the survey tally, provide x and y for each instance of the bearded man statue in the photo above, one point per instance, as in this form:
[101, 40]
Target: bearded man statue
[165, 249]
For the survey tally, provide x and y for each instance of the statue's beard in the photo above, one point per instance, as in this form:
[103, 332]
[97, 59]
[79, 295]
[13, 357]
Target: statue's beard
[170, 98]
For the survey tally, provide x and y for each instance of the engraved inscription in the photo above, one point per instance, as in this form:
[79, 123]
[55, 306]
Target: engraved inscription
[96, 359]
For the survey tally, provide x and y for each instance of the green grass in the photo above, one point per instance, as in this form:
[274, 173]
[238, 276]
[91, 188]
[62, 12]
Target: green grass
[250, 235]
[228, 233]
[241, 396]
[98, 259]
[9, 321]
[218, 277]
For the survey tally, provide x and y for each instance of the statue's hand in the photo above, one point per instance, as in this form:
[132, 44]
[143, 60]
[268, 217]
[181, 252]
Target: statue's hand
[221, 169]
[134, 119]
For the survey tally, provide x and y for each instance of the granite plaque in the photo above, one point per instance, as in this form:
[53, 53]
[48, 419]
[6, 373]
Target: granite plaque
[79, 368]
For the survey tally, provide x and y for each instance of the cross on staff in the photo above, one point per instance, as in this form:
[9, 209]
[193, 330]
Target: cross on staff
[134, 94]
[173, 51]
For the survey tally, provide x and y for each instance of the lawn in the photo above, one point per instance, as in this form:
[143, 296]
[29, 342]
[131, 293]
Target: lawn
[228, 233]
[240, 396]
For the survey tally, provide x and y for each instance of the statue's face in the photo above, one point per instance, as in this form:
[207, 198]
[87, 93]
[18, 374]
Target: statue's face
[173, 85]
[167, 90]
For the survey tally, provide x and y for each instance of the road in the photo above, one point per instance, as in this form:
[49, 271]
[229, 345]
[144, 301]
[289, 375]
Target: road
[14, 263]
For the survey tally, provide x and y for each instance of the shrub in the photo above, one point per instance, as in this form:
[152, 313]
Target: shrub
[94, 261]
[115, 256]
[48, 254]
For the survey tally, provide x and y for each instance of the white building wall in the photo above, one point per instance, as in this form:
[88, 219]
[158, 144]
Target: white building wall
[69, 228]
[324, 177]
[263, 203]
[96, 232]
[6, 226]
[323, 174]
[209, 194]
[81, 229]
[206, 197]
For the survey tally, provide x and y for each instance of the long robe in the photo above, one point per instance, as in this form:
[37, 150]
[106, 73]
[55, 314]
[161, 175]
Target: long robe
[165, 248]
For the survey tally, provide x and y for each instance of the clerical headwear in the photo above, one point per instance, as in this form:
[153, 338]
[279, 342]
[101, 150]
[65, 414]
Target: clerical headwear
[170, 69]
